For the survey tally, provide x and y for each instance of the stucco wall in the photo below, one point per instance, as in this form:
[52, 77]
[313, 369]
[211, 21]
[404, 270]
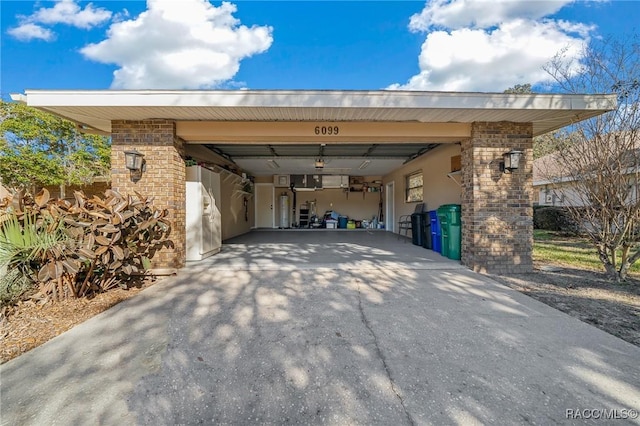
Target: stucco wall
[355, 205]
[264, 179]
[232, 208]
[438, 188]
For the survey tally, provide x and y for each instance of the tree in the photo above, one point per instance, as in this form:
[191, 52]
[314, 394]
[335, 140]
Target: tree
[544, 144]
[37, 148]
[519, 88]
[597, 165]
[549, 143]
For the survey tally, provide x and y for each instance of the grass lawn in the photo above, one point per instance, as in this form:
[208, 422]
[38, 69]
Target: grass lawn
[554, 248]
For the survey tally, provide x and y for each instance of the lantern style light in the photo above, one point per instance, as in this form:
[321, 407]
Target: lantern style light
[133, 160]
[511, 161]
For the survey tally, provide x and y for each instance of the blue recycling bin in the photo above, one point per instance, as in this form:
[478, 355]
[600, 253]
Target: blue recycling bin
[436, 233]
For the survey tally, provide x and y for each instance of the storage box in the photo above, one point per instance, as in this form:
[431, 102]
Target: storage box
[332, 224]
[456, 163]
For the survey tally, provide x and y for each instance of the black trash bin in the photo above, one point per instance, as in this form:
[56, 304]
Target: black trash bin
[426, 230]
[417, 229]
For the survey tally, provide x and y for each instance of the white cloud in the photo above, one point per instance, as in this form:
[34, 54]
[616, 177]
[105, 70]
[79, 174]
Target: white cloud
[186, 44]
[481, 45]
[455, 14]
[29, 31]
[69, 13]
[65, 12]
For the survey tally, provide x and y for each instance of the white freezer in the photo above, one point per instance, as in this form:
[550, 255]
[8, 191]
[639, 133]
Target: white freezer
[204, 224]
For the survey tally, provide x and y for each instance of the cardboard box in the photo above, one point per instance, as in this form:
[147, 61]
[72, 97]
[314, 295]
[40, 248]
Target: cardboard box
[456, 163]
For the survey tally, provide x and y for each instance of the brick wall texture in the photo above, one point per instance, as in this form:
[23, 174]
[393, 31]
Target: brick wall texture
[497, 212]
[164, 178]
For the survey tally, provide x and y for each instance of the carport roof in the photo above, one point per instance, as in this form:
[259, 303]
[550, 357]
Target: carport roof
[96, 109]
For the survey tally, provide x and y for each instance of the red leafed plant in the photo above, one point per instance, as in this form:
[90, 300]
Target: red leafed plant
[77, 248]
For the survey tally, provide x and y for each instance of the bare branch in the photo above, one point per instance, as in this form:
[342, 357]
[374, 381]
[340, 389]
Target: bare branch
[597, 169]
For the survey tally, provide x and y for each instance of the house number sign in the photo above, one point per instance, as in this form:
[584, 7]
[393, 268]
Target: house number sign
[326, 130]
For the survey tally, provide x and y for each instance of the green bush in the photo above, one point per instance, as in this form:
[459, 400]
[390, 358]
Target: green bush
[554, 219]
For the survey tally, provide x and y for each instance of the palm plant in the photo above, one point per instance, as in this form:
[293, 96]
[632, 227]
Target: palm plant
[26, 245]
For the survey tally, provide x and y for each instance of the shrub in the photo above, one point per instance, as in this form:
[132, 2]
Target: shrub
[90, 245]
[554, 219]
[26, 242]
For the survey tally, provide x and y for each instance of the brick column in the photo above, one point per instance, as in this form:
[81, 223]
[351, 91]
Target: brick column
[497, 210]
[164, 178]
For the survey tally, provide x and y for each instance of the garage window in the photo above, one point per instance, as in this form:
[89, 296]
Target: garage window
[413, 185]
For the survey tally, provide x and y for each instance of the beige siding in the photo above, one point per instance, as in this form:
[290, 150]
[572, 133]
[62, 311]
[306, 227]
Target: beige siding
[561, 195]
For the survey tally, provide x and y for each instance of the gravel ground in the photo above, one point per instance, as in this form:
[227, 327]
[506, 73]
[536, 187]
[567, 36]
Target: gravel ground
[586, 295]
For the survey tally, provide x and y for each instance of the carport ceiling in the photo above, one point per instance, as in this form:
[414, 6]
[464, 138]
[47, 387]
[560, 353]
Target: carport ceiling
[288, 118]
[338, 159]
[96, 109]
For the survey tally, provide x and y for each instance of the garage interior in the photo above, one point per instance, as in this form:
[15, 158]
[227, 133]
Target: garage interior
[319, 183]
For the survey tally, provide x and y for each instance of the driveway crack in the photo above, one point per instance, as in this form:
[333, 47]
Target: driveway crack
[367, 324]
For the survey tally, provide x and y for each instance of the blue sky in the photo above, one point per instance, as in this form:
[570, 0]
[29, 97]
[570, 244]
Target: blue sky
[461, 45]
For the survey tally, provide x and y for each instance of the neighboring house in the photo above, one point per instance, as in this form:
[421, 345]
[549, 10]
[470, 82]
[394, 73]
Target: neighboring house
[555, 185]
[550, 187]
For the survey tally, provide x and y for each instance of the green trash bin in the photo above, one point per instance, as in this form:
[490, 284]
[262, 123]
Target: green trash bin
[443, 218]
[450, 217]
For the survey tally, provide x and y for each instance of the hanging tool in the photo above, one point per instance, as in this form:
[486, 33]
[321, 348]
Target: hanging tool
[380, 214]
[293, 190]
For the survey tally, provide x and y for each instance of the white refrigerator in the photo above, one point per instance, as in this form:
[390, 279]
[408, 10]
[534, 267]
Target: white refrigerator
[204, 224]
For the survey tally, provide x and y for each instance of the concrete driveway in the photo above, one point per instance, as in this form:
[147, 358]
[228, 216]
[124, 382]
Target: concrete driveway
[325, 328]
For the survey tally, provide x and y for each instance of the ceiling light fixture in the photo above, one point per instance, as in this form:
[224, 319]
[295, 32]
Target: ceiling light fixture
[273, 164]
[364, 164]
